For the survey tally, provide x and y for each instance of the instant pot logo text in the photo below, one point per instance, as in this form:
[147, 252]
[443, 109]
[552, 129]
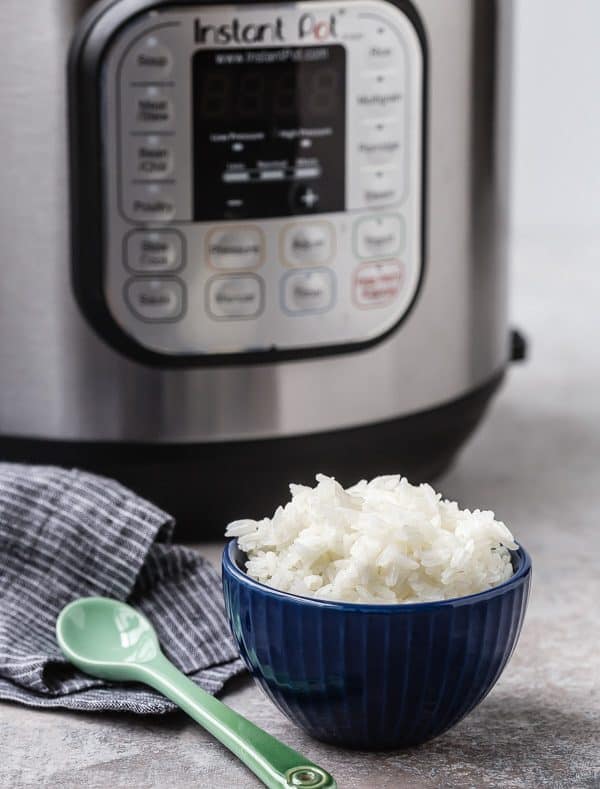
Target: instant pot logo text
[234, 32]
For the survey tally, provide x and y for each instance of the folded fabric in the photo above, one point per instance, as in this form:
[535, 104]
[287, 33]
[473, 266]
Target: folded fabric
[68, 534]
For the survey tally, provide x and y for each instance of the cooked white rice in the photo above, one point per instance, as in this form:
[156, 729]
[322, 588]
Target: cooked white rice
[384, 541]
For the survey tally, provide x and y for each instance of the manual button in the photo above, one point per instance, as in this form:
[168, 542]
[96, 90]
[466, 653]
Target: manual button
[155, 300]
[235, 296]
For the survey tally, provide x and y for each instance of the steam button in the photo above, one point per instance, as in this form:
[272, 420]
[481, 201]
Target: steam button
[155, 300]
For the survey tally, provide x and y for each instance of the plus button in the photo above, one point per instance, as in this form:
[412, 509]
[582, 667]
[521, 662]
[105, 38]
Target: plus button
[309, 198]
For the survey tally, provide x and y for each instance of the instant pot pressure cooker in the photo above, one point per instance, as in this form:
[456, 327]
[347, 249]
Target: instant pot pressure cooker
[245, 243]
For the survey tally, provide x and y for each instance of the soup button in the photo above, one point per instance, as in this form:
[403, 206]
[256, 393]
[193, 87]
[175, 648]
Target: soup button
[235, 297]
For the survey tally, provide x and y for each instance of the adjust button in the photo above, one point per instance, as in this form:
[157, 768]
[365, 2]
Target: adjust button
[235, 296]
[154, 251]
[305, 244]
[378, 284]
[310, 291]
[379, 236]
[149, 203]
[155, 300]
[235, 248]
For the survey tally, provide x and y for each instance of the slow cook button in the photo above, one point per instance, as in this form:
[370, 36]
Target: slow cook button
[155, 300]
[308, 291]
[379, 236]
[149, 203]
[152, 109]
[235, 248]
[154, 251]
[305, 244]
[154, 159]
[149, 61]
[377, 284]
[235, 297]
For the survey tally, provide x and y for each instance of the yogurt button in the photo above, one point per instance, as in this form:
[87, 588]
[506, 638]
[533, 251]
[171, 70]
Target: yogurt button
[306, 244]
[379, 236]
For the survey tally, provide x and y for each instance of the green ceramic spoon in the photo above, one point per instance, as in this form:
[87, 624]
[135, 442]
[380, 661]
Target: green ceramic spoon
[111, 640]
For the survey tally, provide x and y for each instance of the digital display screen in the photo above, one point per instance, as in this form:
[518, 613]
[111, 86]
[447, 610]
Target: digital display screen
[269, 131]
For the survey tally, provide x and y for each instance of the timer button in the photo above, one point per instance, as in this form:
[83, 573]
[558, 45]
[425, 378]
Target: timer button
[149, 203]
[377, 284]
[305, 244]
[310, 291]
[154, 251]
[235, 297]
[155, 300]
[152, 109]
[149, 61]
[235, 248]
[379, 236]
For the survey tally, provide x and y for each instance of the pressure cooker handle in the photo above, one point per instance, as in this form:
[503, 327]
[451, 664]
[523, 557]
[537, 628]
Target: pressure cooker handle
[518, 346]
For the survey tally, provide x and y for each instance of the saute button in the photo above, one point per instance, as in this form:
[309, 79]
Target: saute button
[235, 296]
[154, 251]
[377, 284]
[150, 203]
[379, 236]
[154, 159]
[235, 248]
[308, 291]
[155, 299]
[152, 109]
[308, 243]
[150, 60]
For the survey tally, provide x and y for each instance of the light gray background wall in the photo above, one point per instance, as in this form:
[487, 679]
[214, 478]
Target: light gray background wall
[556, 175]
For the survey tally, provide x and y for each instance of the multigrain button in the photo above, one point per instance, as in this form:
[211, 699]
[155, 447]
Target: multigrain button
[377, 284]
[379, 236]
[310, 291]
[235, 297]
[149, 203]
[149, 61]
[155, 300]
[154, 159]
[379, 95]
[152, 109]
[235, 248]
[306, 244]
[154, 251]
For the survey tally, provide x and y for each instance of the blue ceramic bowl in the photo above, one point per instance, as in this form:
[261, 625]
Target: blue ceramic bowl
[374, 676]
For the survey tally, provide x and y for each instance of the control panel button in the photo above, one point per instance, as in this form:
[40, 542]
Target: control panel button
[155, 300]
[305, 244]
[308, 291]
[149, 203]
[379, 236]
[380, 95]
[153, 109]
[149, 61]
[235, 297]
[378, 284]
[382, 186]
[154, 159]
[236, 248]
[154, 251]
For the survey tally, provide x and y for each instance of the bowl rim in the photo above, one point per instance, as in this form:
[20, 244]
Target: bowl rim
[230, 568]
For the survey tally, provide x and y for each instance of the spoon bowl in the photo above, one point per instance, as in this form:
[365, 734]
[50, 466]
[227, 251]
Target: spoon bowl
[111, 640]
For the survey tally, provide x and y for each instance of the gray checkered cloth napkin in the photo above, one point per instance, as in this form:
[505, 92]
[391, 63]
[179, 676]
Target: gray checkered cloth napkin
[68, 534]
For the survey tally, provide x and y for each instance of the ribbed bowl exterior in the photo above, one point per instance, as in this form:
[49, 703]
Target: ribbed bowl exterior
[374, 677]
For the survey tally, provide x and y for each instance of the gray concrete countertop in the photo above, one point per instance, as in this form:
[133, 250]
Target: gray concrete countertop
[536, 462]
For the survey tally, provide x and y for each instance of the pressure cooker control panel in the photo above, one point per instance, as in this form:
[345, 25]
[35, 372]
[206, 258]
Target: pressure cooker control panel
[262, 175]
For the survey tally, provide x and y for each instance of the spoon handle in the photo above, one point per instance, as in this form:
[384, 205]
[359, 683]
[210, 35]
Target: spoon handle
[274, 763]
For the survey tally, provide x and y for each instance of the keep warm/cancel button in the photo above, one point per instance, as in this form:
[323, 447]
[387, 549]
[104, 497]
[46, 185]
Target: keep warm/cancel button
[378, 284]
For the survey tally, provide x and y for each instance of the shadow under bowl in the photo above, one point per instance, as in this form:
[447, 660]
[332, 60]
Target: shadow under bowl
[368, 676]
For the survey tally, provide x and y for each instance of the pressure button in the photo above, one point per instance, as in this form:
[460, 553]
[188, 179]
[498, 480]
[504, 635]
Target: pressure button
[235, 248]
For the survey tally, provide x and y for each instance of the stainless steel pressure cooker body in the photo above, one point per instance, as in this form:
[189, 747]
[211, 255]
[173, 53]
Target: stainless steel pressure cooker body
[246, 243]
